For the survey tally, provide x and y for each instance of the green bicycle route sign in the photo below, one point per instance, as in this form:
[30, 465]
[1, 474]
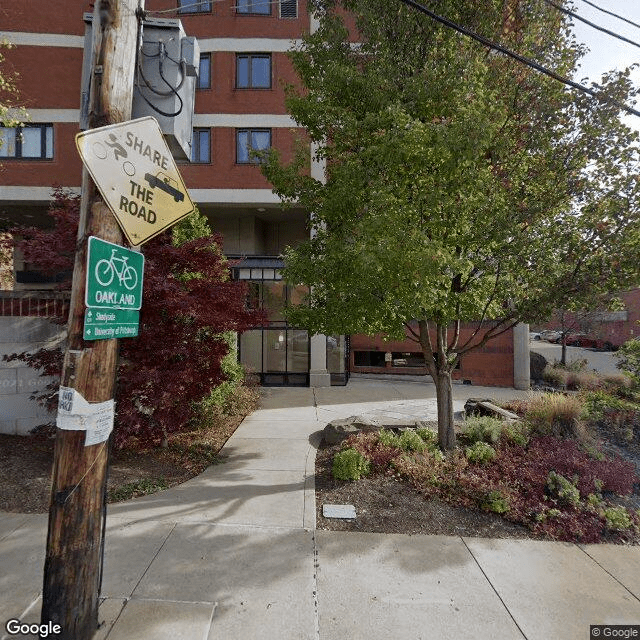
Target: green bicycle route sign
[114, 276]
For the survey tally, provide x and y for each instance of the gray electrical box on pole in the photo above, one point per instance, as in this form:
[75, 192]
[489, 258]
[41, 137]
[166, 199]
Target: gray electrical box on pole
[165, 81]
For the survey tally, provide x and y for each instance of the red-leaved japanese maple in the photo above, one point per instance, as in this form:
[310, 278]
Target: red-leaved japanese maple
[189, 301]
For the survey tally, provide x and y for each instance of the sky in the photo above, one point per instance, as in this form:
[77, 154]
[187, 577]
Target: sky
[607, 52]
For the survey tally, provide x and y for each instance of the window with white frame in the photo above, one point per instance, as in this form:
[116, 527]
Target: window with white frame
[248, 140]
[253, 71]
[28, 142]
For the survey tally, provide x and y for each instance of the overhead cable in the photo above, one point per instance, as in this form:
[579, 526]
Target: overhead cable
[520, 58]
[591, 24]
[610, 13]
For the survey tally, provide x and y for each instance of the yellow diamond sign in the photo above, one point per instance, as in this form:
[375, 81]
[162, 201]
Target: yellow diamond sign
[136, 175]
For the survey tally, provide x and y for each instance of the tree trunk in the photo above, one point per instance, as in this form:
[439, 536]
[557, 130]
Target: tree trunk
[444, 399]
[440, 370]
[563, 357]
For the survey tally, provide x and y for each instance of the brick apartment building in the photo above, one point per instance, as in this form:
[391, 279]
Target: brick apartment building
[239, 103]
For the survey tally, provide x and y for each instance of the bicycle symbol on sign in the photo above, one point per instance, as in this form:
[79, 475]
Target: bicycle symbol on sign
[107, 270]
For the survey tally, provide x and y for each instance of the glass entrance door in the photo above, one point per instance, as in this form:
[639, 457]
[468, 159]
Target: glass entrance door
[278, 355]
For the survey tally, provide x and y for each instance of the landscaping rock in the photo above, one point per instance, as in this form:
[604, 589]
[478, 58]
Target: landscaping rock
[537, 363]
[341, 428]
[486, 407]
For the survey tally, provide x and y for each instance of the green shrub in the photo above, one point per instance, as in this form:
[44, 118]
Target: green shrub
[480, 452]
[554, 414]
[629, 359]
[482, 429]
[594, 500]
[350, 465]
[563, 489]
[429, 437]
[598, 403]
[516, 432]
[617, 518]
[495, 501]
[409, 440]
[389, 438]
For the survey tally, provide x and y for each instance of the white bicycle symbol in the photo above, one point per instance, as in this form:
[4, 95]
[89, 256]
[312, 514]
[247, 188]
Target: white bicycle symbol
[107, 270]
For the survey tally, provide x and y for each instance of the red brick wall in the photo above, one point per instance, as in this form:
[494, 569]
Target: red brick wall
[491, 366]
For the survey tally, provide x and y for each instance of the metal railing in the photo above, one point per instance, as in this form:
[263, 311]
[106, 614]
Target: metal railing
[42, 304]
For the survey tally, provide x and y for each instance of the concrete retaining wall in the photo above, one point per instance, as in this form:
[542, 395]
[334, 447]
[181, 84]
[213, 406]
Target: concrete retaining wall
[18, 413]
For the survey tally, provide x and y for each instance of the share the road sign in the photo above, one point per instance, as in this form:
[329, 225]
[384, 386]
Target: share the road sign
[114, 276]
[137, 176]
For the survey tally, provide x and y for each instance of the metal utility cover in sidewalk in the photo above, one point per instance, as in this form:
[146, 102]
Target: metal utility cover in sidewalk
[137, 176]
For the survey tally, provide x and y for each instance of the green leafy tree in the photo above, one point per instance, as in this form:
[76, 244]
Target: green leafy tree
[461, 186]
[11, 115]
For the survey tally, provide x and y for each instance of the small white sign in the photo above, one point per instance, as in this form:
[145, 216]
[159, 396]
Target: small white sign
[76, 414]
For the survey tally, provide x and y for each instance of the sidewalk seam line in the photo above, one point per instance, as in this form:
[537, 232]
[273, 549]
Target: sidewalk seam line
[144, 573]
[609, 573]
[316, 568]
[464, 542]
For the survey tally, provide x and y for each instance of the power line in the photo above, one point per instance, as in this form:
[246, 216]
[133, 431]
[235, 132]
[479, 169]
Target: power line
[591, 24]
[207, 3]
[516, 56]
[615, 15]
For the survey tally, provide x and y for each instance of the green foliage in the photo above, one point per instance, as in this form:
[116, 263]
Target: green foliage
[480, 452]
[389, 438]
[460, 186]
[496, 501]
[557, 415]
[411, 441]
[629, 359]
[517, 433]
[482, 429]
[617, 518]
[350, 464]
[563, 489]
[11, 115]
[429, 437]
[190, 228]
[594, 501]
[137, 489]
[598, 403]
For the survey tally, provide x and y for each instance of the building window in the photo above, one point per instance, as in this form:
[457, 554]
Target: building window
[248, 140]
[261, 7]
[288, 8]
[204, 72]
[33, 141]
[194, 6]
[201, 146]
[253, 71]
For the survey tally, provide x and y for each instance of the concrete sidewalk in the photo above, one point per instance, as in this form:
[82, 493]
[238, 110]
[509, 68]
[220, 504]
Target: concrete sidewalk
[234, 555]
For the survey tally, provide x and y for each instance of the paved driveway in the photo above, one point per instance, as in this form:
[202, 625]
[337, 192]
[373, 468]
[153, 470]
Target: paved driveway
[603, 362]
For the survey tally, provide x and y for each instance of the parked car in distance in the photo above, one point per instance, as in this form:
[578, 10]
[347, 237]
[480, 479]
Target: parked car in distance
[535, 335]
[584, 340]
[550, 335]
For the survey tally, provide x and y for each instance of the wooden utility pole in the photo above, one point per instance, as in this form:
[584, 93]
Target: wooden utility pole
[72, 570]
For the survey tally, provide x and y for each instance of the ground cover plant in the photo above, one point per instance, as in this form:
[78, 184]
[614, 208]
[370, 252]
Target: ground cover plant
[548, 473]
